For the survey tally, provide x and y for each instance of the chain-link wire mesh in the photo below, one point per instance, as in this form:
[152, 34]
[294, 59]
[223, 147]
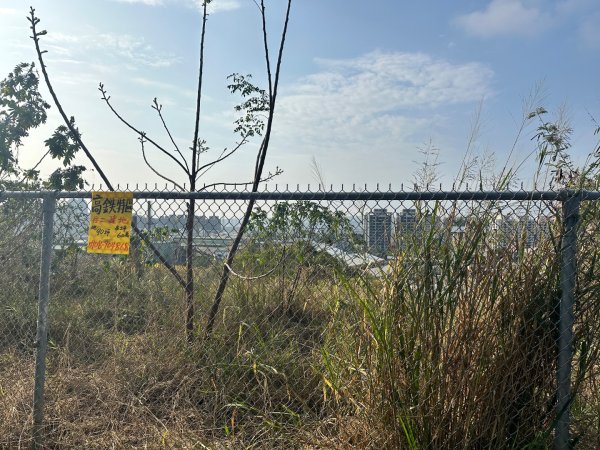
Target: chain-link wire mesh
[350, 320]
[585, 409]
[20, 243]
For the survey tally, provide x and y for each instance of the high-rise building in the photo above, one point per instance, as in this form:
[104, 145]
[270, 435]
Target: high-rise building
[213, 224]
[406, 227]
[504, 231]
[534, 229]
[407, 221]
[510, 231]
[378, 231]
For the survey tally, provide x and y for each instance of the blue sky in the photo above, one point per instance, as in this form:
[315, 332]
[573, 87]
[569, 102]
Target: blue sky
[364, 85]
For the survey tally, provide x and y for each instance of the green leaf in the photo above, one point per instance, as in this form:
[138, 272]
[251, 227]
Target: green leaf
[62, 144]
[21, 109]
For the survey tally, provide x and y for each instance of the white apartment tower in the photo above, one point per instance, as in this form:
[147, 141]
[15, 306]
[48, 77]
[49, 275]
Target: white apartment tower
[378, 231]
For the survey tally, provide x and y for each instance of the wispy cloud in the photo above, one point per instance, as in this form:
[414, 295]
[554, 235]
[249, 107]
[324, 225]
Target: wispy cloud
[532, 18]
[7, 11]
[144, 2]
[385, 81]
[215, 6]
[164, 87]
[125, 47]
[506, 17]
[379, 100]
[224, 5]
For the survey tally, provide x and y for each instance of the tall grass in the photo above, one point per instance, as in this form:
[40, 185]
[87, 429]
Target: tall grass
[456, 347]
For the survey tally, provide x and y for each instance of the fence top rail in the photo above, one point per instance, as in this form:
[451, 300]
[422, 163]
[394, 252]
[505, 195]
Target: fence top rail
[332, 196]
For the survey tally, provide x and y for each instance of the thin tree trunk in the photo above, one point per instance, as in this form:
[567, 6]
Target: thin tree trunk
[214, 309]
[189, 256]
[260, 161]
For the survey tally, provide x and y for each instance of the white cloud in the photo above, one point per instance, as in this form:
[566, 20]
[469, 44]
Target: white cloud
[533, 17]
[506, 17]
[215, 6]
[132, 49]
[6, 11]
[144, 2]
[223, 5]
[383, 102]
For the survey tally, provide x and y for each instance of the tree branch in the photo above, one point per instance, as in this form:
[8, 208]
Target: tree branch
[257, 277]
[273, 97]
[195, 153]
[138, 132]
[220, 158]
[33, 20]
[266, 45]
[158, 109]
[36, 166]
[142, 141]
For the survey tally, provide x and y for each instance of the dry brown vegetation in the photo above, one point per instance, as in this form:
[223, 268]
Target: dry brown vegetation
[454, 347]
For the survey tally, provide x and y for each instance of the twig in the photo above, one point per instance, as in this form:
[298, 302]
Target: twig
[220, 158]
[135, 130]
[158, 109]
[265, 179]
[257, 277]
[142, 141]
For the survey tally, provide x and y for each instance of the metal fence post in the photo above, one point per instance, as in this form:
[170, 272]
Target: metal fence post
[41, 342]
[568, 275]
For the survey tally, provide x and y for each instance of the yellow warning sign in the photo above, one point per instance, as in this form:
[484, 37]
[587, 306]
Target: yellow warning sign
[110, 223]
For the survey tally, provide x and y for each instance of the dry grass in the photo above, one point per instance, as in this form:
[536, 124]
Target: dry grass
[121, 374]
[136, 400]
[455, 348]
[454, 351]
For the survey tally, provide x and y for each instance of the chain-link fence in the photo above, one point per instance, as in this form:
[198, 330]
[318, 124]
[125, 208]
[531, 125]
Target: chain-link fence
[421, 320]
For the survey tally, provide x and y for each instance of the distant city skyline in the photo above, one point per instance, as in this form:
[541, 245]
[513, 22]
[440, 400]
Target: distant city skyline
[381, 231]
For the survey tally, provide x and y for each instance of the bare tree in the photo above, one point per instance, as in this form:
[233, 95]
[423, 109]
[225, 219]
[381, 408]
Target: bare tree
[256, 119]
